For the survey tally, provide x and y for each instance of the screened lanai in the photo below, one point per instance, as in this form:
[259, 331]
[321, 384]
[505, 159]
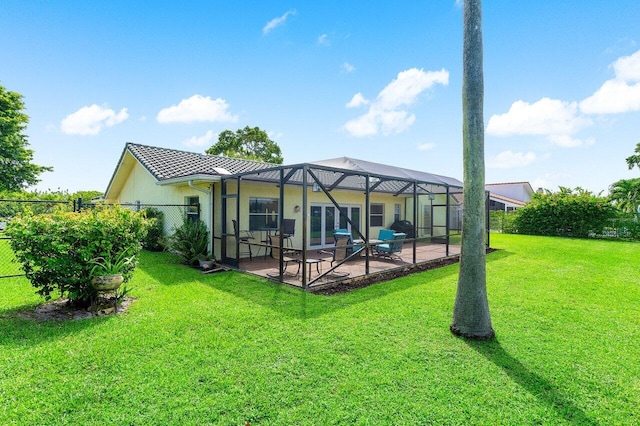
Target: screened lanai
[285, 222]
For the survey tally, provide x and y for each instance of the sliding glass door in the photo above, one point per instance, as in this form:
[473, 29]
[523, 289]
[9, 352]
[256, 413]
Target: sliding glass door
[323, 220]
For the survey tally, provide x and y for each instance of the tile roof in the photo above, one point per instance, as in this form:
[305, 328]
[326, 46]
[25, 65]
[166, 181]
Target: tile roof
[507, 199]
[165, 163]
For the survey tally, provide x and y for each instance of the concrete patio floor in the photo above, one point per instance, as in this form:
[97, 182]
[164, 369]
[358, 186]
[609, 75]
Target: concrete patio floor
[267, 266]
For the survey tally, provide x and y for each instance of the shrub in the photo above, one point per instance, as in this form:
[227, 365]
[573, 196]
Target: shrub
[572, 213]
[57, 250]
[154, 241]
[502, 221]
[191, 241]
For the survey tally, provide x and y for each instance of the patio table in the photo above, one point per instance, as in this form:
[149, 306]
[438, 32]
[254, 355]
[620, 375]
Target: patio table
[372, 242]
[317, 262]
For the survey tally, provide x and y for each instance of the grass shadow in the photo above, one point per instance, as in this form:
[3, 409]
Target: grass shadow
[297, 303]
[534, 383]
[18, 329]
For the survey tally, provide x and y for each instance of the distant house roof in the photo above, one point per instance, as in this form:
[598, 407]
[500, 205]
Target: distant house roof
[511, 191]
[508, 200]
[171, 166]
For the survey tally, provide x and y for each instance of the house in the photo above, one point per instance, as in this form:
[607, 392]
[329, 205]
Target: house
[319, 197]
[508, 196]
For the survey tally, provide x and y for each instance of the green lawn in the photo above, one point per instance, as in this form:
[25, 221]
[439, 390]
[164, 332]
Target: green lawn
[228, 349]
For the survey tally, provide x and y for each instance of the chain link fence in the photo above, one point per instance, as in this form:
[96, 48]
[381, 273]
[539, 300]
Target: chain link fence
[168, 216]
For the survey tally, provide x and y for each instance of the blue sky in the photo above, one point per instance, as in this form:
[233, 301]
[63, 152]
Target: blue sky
[375, 80]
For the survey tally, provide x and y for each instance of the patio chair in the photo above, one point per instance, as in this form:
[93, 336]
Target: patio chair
[277, 252]
[392, 248]
[288, 231]
[339, 253]
[244, 237]
[2, 226]
[386, 234]
[343, 234]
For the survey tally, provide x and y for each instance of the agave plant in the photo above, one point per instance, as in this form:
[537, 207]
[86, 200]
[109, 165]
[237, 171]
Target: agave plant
[111, 266]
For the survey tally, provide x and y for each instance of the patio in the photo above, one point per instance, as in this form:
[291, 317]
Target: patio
[341, 196]
[322, 275]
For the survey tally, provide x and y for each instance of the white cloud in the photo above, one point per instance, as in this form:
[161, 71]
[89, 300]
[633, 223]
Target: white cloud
[627, 68]
[276, 22]
[387, 114]
[545, 117]
[614, 96]
[203, 140]
[509, 159]
[89, 120]
[365, 125]
[357, 101]
[348, 67]
[556, 119]
[323, 40]
[426, 146]
[197, 108]
[620, 94]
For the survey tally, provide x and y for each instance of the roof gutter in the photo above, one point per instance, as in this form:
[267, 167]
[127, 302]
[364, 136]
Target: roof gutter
[190, 178]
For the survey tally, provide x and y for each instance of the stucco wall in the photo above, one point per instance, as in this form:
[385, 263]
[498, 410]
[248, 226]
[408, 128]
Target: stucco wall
[140, 186]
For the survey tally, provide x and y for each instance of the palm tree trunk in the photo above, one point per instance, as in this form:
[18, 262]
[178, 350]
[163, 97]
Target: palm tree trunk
[471, 316]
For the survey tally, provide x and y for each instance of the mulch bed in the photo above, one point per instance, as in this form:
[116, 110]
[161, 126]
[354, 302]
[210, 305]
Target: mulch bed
[62, 310]
[367, 280]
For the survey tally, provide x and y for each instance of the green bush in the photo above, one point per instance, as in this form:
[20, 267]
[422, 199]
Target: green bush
[502, 221]
[191, 241]
[572, 213]
[154, 241]
[56, 250]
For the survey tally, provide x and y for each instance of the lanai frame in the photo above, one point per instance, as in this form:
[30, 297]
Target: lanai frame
[327, 178]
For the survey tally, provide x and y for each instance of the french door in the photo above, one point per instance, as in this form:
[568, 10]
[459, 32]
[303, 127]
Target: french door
[324, 218]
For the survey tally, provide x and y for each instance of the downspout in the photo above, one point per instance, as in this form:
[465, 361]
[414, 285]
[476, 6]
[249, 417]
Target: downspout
[210, 220]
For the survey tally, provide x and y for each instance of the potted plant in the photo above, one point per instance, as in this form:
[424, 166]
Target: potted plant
[206, 262]
[106, 274]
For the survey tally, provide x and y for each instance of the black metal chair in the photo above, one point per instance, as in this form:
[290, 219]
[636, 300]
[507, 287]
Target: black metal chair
[244, 237]
[288, 231]
[277, 252]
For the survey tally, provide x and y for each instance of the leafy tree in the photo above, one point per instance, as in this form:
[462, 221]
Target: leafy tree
[249, 143]
[625, 194]
[471, 317]
[634, 160]
[16, 168]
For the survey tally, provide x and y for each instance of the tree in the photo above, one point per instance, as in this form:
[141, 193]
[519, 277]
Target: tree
[16, 168]
[634, 160]
[471, 318]
[625, 194]
[249, 143]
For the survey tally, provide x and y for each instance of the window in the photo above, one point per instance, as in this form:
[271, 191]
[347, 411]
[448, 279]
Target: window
[193, 208]
[376, 215]
[396, 212]
[263, 213]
